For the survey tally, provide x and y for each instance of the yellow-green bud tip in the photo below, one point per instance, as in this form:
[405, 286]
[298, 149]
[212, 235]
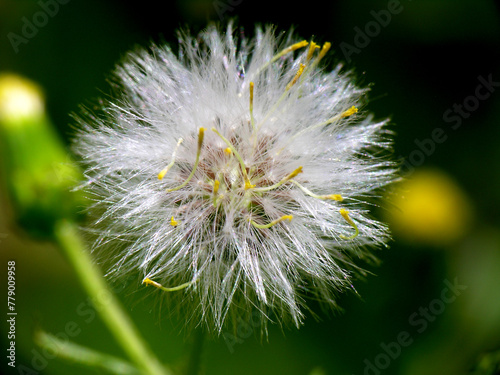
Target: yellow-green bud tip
[19, 99]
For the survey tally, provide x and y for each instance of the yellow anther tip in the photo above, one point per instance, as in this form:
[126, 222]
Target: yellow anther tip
[216, 186]
[299, 45]
[162, 174]
[312, 47]
[297, 76]
[248, 185]
[147, 281]
[350, 112]
[345, 215]
[295, 172]
[335, 197]
[287, 217]
[173, 222]
[324, 49]
[227, 151]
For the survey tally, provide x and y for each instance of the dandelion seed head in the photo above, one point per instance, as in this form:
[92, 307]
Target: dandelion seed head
[239, 169]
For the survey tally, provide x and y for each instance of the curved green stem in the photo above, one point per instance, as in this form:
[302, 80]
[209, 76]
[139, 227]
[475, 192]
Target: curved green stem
[81, 354]
[106, 304]
[194, 363]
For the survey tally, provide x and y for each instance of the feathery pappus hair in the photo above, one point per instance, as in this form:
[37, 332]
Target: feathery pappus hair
[236, 175]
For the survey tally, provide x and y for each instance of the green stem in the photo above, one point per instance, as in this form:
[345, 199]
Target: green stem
[193, 367]
[106, 304]
[80, 354]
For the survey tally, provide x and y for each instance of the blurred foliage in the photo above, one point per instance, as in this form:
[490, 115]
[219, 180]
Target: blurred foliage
[427, 58]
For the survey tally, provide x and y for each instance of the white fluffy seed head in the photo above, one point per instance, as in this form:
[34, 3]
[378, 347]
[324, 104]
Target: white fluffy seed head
[239, 170]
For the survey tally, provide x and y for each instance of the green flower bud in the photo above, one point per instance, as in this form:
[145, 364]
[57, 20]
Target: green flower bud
[39, 172]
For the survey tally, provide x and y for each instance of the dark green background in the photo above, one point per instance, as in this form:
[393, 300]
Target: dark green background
[426, 59]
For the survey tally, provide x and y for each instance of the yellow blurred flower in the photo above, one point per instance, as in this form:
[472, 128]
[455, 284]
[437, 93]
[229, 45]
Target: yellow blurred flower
[429, 208]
